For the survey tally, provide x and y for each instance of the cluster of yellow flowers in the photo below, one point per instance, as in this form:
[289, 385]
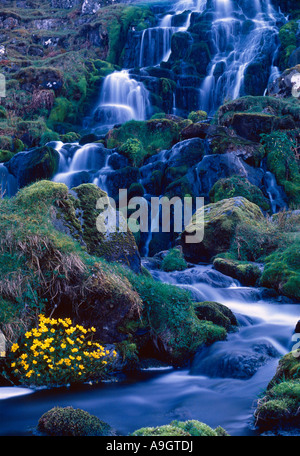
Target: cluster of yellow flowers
[58, 352]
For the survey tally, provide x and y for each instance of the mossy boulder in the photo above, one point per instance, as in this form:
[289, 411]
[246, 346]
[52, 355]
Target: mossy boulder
[252, 116]
[174, 261]
[279, 408]
[181, 428]
[238, 186]
[36, 164]
[45, 268]
[216, 313]
[67, 421]
[80, 219]
[246, 273]
[220, 223]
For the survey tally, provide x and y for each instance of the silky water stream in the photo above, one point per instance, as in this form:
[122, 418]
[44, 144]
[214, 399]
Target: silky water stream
[220, 388]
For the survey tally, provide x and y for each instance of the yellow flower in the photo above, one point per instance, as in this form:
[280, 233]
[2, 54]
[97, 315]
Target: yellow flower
[28, 334]
[63, 345]
[14, 347]
[13, 364]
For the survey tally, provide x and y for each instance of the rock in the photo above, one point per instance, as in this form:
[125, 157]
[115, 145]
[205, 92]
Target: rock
[297, 329]
[113, 246]
[295, 58]
[283, 86]
[238, 186]
[278, 409]
[212, 168]
[74, 283]
[67, 421]
[246, 273]
[220, 222]
[36, 164]
[217, 313]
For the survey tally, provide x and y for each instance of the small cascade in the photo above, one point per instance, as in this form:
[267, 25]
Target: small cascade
[156, 41]
[122, 99]
[275, 193]
[242, 36]
[8, 183]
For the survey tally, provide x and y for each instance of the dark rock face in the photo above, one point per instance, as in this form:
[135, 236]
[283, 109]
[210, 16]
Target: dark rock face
[286, 85]
[36, 164]
[214, 167]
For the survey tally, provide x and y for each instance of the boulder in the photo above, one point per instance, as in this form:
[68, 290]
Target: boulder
[35, 164]
[246, 273]
[220, 222]
[217, 313]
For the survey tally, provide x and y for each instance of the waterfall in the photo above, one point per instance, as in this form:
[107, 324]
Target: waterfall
[122, 99]
[156, 41]
[241, 35]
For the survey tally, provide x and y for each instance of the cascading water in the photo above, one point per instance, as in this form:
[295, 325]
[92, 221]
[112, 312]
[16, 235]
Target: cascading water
[156, 41]
[242, 35]
[122, 99]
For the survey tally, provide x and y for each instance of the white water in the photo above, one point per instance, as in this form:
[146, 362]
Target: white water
[122, 99]
[236, 48]
[156, 41]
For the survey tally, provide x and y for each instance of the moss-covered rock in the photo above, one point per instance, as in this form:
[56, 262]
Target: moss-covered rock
[36, 164]
[216, 313]
[279, 408]
[220, 223]
[67, 421]
[113, 245]
[174, 261]
[46, 269]
[246, 273]
[181, 428]
[238, 186]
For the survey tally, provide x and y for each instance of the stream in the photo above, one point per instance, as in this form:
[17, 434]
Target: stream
[220, 388]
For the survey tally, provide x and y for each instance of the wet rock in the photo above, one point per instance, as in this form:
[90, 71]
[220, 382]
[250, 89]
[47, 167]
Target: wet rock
[36, 164]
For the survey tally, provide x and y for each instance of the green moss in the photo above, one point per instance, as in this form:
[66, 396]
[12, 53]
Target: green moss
[155, 135]
[5, 156]
[247, 273]
[281, 150]
[282, 271]
[238, 186]
[216, 313]
[66, 421]
[197, 116]
[161, 431]
[279, 407]
[133, 149]
[174, 261]
[181, 428]
[169, 312]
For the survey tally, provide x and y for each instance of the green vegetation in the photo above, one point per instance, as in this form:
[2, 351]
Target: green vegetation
[181, 428]
[279, 408]
[154, 135]
[174, 261]
[238, 186]
[281, 149]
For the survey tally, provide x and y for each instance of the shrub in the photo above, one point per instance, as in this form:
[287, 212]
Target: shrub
[56, 353]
